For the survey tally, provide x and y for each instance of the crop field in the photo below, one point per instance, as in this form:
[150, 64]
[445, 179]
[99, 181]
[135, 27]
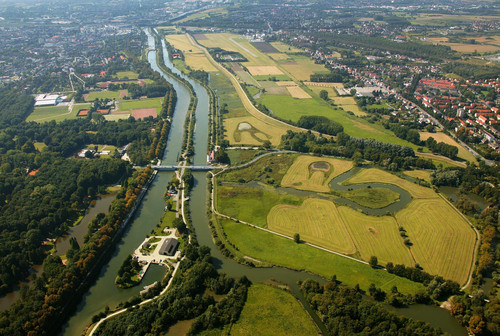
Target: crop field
[442, 137]
[250, 204]
[419, 174]
[203, 14]
[102, 95]
[285, 252]
[328, 85]
[193, 55]
[376, 236]
[297, 92]
[264, 70]
[265, 47]
[286, 83]
[347, 103]
[302, 67]
[279, 56]
[443, 242]
[317, 221]
[285, 48]
[303, 175]
[228, 95]
[278, 90]
[448, 19]
[272, 78]
[237, 131]
[380, 176]
[272, 311]
[57, 113]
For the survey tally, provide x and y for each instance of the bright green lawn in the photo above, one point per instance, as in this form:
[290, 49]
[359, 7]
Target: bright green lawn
[228, 95]
[272, 311]
[288, 108]
[284, 252]
[166, 220]
[57, 113]
[140, 104]
[102, 95]
[127, 75]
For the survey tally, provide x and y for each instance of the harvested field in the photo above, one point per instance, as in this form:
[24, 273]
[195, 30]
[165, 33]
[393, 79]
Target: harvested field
[285, 48]
[279, 56]
[193, 55]
[317, 221]
[442, 137]
[419, 174]
[286, 83]
[470, 48]
[297, 92]
[380, 176]
[303, 67]
[259, 132]
[376, 236]
[330, 85]
[443, 242]
[304, 174]
[200, 37]
[265, 47]
[264, 70]
[140, 114]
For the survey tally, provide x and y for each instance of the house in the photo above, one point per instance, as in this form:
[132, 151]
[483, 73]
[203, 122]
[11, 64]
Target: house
[169, 247]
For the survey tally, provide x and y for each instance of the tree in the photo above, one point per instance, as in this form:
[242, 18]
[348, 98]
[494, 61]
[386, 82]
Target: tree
[353, 92]
[296, 238]
[373, 261]
[323, 94]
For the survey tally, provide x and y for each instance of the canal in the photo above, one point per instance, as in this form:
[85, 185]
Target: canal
[104, 293]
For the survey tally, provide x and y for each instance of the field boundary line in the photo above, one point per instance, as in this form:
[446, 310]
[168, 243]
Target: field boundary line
[476, 243]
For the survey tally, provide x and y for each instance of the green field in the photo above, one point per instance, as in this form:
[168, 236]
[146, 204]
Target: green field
[285, 252]
[228, 95]
[140, 104]
[127, 75]
[317, 221]
[302, 174]
[250, 204]
[49, 113]
[288, 108]
[280, 164]
[272, 311]
[272, 78]
[103, 95]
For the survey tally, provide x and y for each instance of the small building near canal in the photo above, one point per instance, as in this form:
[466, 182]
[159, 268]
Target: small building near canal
[169, 247]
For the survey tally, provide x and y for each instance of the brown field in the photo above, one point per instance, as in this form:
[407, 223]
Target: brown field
[495, 39]
[302, 175]
[438, 39]
[140, 114]
[277, 90]
[443, 242]
[470, 48]
[421, 174]
[376, 236]
[297, 92]
[278, 56]
[380, 176]
[286, 83]
[317, 221]
[442, 137]
[264, 70]
[259, 132]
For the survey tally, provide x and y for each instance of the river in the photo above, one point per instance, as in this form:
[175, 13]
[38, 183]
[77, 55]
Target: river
[104, 293]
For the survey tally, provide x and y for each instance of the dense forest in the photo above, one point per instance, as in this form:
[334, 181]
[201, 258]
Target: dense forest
[14, 106]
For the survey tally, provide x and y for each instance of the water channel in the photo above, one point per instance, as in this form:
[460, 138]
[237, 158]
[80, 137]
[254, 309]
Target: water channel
[104, 293]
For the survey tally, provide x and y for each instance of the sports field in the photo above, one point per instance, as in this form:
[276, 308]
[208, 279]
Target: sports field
[442, 137]
[102, 95]
[56, 113]
[380, 176]
[313, 173]
[317, 221]
[443, 242]
[127, 75]
[129, 105]
[376, 236]
[272, 311]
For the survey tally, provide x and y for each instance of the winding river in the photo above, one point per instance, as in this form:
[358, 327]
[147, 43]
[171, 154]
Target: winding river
[104, 293]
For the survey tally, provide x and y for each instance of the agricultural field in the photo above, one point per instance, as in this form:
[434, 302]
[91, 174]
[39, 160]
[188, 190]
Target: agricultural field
[347, 103]
[447, 19]
[285, 252]
[49, 113]
[264, 70]
[297, 92]
[203, 14]
[376, 236]
[272, 311]
[251, 131]
[419, 174]
[313, 173]
[317, 221]
[194, 57]
[380, 176]
[285, 48]
[442, 137]
[116, 117]
[302, 67]
[443, 241]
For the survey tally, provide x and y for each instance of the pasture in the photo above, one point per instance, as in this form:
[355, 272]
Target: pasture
[317, 221]
[380, 176]
[376, 236]
[285, 252]
[443, 241]
[442, 137]
[303, 175]
[272, 311]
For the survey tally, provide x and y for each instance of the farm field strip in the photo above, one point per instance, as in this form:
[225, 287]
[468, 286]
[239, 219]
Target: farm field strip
[421, 174]
[193, 55]
[376, 236]
[298, 176]
[380, 176]
[317, 221]
[443, 242]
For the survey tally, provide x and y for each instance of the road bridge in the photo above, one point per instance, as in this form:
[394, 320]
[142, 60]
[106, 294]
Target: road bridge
[173, 167]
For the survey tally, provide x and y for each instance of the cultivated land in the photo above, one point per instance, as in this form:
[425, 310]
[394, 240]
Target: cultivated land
[376, 236]
[347, 103]
[313, 173]
[272, 311]
[193, 55]
[443, 242]
[420, 174]
[442, 137]
[285, 252]
[317, 221]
